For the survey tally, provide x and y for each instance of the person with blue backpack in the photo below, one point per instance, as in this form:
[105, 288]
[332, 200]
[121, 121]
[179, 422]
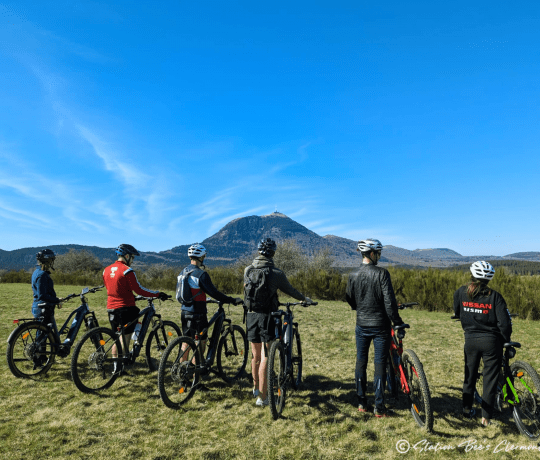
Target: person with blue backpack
[261, 283]
[193, 285]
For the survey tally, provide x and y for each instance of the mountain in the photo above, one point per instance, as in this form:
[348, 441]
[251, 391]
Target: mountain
[241, 236]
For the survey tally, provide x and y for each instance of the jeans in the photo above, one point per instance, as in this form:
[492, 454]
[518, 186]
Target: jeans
[47, 314]
[381, 337]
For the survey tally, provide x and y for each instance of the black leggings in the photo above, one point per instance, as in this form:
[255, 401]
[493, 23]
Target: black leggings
[490, 349]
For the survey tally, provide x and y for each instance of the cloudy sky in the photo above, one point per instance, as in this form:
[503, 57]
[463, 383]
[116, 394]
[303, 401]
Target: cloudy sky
[156, 123]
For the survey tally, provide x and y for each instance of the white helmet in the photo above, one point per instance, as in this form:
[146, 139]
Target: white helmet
[196, 250]
[368, 245]
[482, 270]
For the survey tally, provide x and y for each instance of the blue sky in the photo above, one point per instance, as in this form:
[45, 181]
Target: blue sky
[156, 124]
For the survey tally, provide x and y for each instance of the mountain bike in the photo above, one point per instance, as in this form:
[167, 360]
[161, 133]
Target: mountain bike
[93, 366]
[284, 358]
[183, 364]
[519, 387]
[33, 345]
[405, 374]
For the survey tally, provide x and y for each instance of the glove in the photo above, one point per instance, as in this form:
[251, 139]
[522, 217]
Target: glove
[238, 301]
[163, 296]
[308, 301]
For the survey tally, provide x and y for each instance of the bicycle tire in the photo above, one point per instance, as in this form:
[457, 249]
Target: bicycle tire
[419, 396]
[277, 378]
[527, 412]
[177, 380]
[26, 357]
[92, 364]
[158, 341]
[232, 354]
[296, 360]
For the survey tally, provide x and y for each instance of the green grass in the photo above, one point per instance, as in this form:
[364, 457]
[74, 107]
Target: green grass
[49, 418]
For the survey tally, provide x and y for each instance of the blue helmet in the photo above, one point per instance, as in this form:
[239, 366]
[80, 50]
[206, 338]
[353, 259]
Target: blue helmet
[125, 249]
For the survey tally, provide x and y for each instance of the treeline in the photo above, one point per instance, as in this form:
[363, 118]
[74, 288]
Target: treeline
[315, 277]
[517, 267]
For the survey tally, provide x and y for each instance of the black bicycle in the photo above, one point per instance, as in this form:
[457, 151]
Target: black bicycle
[518, 387]
[284, 358]
[93, 366]
[183, 363]
[33, 345]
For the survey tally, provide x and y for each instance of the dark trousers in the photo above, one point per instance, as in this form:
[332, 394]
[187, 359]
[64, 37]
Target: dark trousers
[490, 349]
[381, 340]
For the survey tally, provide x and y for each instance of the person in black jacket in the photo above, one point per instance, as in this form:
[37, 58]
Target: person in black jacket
[487, 326]
[370, 293]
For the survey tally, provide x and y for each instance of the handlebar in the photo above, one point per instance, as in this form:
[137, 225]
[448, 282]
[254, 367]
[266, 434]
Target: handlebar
[141, 297]
[290, 304]
[402, 306]
[83, 292]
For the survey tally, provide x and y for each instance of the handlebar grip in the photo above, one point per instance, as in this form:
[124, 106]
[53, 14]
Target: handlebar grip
[312, 303]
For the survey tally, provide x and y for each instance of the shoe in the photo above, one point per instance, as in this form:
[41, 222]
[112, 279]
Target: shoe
[470, 414]
[262, 402]
[487, 422]
[255, 392]
[382, 412]
[362, 408]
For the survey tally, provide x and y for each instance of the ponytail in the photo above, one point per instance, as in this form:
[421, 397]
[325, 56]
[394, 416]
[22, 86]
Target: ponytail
[477, 287]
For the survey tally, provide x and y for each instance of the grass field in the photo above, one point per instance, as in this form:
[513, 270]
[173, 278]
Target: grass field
[49, 418]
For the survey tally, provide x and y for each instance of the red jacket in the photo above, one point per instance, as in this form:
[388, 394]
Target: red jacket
[121, 282]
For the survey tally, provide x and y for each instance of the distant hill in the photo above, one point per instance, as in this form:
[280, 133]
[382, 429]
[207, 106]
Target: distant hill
[241, 236]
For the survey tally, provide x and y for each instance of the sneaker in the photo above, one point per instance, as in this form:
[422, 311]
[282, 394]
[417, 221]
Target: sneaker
[255, 392]
[262, 402]
[382, 412]
[362, 408]
[469, 413]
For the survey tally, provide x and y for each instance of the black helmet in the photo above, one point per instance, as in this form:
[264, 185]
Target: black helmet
[267, 247]
[125, 249]
[45, 254]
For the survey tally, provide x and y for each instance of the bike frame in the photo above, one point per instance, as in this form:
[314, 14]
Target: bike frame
[284, 332]
[396, 351]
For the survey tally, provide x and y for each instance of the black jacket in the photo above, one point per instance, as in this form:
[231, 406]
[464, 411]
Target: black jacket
[370, 293]
[484, 315]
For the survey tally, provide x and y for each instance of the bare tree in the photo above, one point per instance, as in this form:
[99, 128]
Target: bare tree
[74, 261]
[322, 260]
[290, 258]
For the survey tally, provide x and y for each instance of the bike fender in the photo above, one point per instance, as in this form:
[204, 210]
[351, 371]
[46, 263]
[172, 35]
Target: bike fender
[18, 327]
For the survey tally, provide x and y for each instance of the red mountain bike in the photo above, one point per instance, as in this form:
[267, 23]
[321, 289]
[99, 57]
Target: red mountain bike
[405, 374]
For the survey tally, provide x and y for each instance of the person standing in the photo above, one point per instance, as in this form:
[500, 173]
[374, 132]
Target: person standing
[121, 282]
[487, 326]
[261, 283]
[370, 292]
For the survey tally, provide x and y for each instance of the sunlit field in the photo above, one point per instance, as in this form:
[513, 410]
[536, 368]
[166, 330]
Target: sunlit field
[49, 418]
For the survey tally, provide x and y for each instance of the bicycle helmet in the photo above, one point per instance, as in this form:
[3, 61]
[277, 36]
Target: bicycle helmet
[482, 270]
[125, 249]
[368, 245]
[267, 247]
[45, 255]
[196, 250]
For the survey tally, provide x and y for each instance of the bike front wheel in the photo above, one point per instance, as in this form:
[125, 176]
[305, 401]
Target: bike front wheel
[232, 354]
[158, 340]
[277, 377]
[92, 363]
[177, 373]
[527, 404]
[419, 395]
[31, 350]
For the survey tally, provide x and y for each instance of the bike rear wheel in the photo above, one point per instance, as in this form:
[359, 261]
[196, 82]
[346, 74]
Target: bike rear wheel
[296, 360]
[277, 377]
[527, 410]
[92, 363]
[158, 340]
[232, 354]
[28, 355]
[419, 396]
[177, 376]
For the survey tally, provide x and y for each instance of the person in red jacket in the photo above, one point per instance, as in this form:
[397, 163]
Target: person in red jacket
[121, 282]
